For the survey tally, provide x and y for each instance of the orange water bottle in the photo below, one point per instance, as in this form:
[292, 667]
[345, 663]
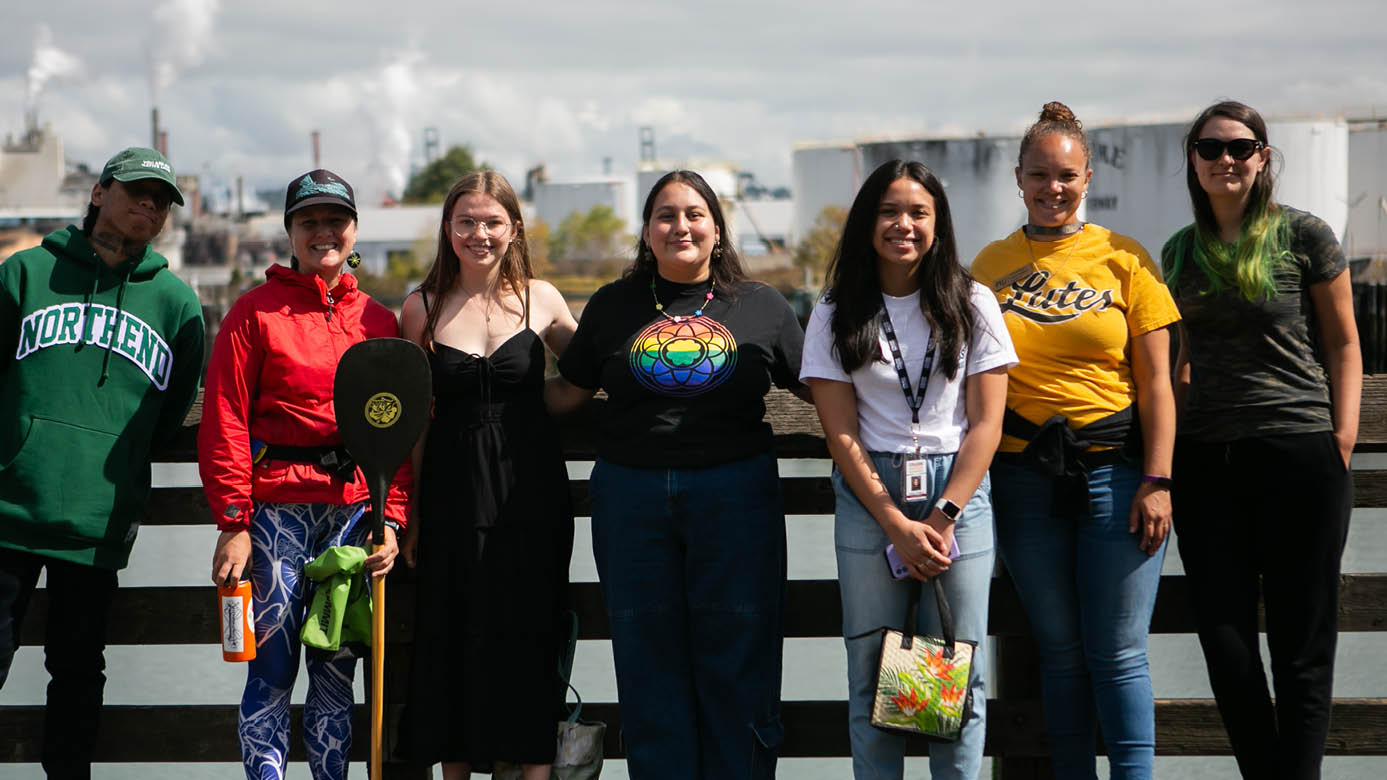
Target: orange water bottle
[237, 621]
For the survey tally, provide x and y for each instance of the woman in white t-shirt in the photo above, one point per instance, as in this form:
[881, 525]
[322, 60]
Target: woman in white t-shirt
[896, 272]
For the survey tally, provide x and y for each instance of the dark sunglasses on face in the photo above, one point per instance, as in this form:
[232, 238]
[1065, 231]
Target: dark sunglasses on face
[1239, 148]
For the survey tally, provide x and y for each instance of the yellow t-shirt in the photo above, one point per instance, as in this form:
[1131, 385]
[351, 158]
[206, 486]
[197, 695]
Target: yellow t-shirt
[1071, 318]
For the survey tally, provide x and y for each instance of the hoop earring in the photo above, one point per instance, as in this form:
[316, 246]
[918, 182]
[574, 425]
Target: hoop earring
[1084, 196]
[1021, 194]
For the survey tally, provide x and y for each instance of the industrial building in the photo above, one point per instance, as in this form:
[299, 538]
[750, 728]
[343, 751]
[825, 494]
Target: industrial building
[1138, 185]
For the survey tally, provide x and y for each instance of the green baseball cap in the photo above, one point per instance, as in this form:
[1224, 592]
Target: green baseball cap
[137, 163]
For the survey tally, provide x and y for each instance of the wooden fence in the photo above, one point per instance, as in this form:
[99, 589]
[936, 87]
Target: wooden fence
[1370, 311]
[1015, 734]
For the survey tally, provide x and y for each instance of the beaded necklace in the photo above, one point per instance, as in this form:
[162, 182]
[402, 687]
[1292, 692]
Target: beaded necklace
[660, 307]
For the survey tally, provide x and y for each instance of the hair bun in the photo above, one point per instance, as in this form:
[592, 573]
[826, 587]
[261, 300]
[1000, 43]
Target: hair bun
[1055, 111]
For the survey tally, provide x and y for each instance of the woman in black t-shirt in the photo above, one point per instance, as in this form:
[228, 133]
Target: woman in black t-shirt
[1262, 491]
[687, 525]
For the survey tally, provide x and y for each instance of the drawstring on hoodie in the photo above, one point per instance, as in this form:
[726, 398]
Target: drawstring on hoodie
[87, 307]
[110, 342]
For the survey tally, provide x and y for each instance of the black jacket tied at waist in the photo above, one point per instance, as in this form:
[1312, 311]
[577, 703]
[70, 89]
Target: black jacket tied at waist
[1057, 450]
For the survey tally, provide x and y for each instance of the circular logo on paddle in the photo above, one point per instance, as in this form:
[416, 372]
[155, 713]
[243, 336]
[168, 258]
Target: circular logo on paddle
[382, 410]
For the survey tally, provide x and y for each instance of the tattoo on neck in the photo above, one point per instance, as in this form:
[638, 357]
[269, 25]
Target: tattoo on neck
[115, 242]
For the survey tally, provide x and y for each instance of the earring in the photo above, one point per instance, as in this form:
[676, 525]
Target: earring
[717, 250]
[1021, 194]
[1084, 196]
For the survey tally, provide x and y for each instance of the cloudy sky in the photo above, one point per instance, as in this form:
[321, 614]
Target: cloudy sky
[241, 85]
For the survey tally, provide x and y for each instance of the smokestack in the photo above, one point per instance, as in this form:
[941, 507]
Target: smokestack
[316, 165]
[240, 199]
[164, 142]
[154, 127]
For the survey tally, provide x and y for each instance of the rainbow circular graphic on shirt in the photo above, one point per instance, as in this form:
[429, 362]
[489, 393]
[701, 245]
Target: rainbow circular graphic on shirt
[683, 358]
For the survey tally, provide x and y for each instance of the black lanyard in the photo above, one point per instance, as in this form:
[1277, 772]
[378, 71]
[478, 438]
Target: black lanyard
[914, 399]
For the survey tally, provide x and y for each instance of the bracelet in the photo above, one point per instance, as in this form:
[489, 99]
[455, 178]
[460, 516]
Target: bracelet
[1158, 481]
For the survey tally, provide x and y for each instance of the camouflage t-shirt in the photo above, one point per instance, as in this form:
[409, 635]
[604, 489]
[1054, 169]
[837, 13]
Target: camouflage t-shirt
[1255, 369]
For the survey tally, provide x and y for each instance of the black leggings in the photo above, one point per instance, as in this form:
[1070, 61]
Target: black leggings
[1274, 509]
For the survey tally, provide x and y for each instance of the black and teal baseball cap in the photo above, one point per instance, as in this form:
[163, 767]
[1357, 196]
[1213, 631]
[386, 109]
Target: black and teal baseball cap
[139, 162]
[320, 187]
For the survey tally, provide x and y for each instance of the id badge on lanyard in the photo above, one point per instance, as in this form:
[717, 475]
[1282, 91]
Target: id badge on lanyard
[915, 479]
[915, 475]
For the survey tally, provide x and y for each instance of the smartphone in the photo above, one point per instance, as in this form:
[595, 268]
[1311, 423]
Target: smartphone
[898, 568]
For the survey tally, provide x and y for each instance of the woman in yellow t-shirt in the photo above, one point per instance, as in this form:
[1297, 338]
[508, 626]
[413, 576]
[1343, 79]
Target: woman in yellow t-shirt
[1081, 480]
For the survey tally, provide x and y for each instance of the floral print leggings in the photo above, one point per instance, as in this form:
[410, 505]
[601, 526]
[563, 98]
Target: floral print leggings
[284, 537]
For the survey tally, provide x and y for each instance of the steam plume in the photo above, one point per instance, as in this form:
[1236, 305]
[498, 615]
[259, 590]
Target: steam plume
[49, 64]
[387, 106]
[182, 31]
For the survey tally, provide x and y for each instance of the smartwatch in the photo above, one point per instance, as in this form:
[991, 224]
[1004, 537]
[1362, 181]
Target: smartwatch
[948, 508]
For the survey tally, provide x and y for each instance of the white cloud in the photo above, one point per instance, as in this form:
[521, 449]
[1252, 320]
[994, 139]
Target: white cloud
[568, 84]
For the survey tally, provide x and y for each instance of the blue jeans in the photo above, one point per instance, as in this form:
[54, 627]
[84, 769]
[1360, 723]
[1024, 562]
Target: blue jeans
[1088, 590]
[692, 563]
[872, 599]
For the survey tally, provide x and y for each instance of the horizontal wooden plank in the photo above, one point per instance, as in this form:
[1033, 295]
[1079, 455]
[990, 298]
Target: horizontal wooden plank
[803, 496]
[813, 729]
[188, 614]
[796, 426]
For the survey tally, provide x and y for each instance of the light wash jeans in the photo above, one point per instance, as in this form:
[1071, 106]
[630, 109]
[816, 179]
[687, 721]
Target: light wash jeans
[872, 599]
[1088, 590]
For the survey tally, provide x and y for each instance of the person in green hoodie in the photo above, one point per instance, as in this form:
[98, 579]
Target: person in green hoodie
[100, 354]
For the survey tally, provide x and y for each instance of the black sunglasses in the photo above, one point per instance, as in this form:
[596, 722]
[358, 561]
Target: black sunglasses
[1239, 148]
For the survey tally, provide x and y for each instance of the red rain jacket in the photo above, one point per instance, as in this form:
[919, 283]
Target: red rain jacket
[270, 379]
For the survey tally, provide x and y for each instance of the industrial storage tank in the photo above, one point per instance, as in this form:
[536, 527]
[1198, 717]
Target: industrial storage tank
[979, 176]
[555, 201]
[1314, 175]
[822, 175]
[1138, 185]
[1366, 235]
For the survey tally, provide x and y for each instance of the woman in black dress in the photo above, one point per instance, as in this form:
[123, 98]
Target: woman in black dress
[493, 528]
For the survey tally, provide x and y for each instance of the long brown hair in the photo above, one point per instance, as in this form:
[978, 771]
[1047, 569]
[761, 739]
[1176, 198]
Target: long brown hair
[516, 271]
[724, 267]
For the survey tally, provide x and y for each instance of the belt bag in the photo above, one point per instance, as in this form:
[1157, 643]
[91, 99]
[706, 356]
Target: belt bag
[334, 459]
[923, 683]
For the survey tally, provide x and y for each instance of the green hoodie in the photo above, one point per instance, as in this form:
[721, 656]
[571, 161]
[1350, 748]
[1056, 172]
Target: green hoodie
[97, 365]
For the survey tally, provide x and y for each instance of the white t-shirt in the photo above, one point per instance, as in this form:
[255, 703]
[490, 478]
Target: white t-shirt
[883, 416]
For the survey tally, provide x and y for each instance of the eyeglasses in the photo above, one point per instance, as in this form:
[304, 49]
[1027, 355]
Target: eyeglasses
[1239, 148]
[466, 227]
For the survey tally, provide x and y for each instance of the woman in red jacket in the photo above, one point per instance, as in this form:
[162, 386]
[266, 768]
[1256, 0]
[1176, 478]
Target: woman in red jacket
[278, 480]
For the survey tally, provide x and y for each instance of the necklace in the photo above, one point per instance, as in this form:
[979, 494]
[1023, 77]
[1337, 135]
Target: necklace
[660, 307]
[1064, 262]
[1058, 230]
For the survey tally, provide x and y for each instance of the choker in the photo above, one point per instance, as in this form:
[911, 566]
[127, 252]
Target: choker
[1060, 230]
[660, 307]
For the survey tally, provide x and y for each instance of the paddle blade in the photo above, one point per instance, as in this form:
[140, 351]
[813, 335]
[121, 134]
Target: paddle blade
[381, 395]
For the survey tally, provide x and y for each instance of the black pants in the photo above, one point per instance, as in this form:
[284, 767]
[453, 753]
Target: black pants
[79, 598]
[1270, 511]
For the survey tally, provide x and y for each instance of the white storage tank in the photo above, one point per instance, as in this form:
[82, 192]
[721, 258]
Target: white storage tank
[822, 175]
[1314, 176]
[555, 201]
[979, 176]
[1138, 187]
[1366, 235]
